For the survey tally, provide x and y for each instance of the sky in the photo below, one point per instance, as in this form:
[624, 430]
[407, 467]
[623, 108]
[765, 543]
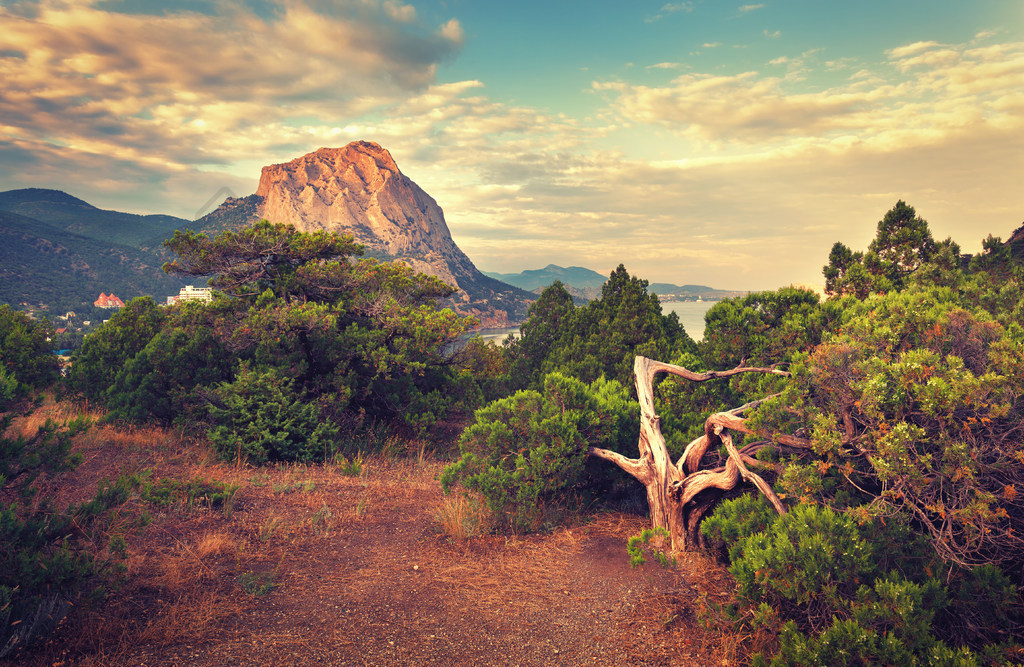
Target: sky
[698, 142]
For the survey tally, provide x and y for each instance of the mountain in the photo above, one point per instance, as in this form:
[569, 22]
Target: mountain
[584, 283]
[531, 279]
[670, 292]
[359, 190]
[64, 212]
[43, 264]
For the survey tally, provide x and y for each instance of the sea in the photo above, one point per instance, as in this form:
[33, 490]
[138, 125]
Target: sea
[691, 316]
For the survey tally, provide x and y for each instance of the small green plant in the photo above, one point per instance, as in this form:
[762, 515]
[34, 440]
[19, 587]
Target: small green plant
[362, 506]
[636, 544]
[197, 492]
[118, 546]
[300, 485]
[257, 584]
[349, 467]
[321, 520]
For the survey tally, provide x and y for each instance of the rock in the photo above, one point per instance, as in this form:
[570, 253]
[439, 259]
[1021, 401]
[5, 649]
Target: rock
[359, 190]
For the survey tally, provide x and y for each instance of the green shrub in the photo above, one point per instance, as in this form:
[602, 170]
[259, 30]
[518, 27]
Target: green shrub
[259, 417]
[736, 519]
[46, 559]
[26, 355]
[525, 454]
[856, 594]
[889, 623]
[812, 557]
[984, 608]
[105, 351]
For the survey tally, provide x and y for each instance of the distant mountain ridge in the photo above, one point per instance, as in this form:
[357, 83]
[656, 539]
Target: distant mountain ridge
[59, 210]
[670, 292]
[60, 250]
[581, 283]
[585, 283]
[531, 279]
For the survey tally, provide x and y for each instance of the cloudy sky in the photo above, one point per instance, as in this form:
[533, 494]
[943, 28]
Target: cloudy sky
[702, 142]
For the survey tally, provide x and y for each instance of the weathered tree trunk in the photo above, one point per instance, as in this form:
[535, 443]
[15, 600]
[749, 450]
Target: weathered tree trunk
[673, 488]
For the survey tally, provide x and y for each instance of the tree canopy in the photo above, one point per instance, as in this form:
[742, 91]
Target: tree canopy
[902, 245]
[264, 256]
[596, 340]
[357, 339]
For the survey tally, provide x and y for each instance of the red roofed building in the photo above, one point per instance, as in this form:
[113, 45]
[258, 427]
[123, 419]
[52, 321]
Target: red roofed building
[106, 301]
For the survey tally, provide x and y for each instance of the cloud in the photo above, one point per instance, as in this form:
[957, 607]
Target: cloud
[926, 92]
[192, 88]
[771, 178]
[522, 188]
[744, 107]
[742, 224]
[400, 12]
[911, 49]
[746, 9]
[772, 34]
[452, 30]
[670, 8]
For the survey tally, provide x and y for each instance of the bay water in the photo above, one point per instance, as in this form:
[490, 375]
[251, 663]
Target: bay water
[691, 316]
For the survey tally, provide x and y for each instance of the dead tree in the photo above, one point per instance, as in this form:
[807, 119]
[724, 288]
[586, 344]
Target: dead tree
[680, 493]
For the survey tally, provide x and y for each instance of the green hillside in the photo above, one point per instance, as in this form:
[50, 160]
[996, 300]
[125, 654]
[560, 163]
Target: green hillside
[43, 265]
[64, 212]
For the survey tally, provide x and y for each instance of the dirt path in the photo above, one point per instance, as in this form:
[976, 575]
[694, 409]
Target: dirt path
[364, 576]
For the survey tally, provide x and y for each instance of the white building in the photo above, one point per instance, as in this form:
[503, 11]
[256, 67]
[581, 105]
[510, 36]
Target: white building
[190, 293]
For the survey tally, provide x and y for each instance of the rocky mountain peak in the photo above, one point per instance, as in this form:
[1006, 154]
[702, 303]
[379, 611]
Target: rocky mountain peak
[363, 164]
[358, 189]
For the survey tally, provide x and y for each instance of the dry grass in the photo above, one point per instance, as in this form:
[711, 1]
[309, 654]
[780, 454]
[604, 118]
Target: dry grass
[175, 589]
[191, 617]
[461, 516]
[49, 410]
[215, 544]
[148, 439]
[331, 536]
[271, 528]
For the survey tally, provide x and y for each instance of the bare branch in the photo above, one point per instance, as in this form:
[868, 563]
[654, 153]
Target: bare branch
[748, 476]
[635, 467]
[672, 486]
[654, 367]
[693, 453]
[724, 478]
